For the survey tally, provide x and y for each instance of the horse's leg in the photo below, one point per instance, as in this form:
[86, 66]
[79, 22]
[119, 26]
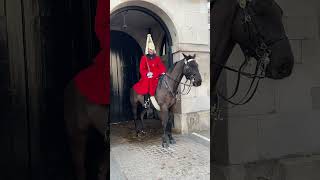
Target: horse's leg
[169, 127]
[78, 148]
[77, 126]
[143, 113]
[164, 116]
[99, 116]
[134, 107]
[103, 168]
[135, 99]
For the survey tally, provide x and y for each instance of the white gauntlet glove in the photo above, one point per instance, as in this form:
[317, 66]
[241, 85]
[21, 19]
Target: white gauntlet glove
[150, 74]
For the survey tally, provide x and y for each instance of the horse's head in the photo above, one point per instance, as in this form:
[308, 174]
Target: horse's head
[191, 70]
[259, 31]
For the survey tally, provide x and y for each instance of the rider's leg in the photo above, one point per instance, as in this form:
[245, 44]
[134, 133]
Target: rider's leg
[146, 100]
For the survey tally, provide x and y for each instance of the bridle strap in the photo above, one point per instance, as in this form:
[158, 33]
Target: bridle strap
[180, 83]
[187, 61]
[174, 94]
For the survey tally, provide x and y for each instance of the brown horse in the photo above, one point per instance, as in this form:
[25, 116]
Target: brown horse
[166, 94]
[81, 115]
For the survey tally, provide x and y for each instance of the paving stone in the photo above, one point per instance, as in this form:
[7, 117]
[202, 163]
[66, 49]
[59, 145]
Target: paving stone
[147, 159]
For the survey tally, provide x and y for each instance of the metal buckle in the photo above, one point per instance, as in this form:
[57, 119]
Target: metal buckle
[265, 60]
[243, 3]
[216, 113]
[247, 18]
[263, 46]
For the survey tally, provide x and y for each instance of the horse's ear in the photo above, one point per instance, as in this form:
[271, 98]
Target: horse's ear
[185, 56]
[194, 56]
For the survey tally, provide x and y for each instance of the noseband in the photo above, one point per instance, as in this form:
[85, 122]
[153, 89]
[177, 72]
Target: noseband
[257, 46]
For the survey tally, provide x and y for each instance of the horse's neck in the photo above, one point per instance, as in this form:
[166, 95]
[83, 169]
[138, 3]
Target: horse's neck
[177, 75]
[221, 58]
[223, 44]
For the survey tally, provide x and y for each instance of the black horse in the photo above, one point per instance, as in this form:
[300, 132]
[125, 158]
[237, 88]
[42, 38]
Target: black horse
[166, 94]
[256, 26]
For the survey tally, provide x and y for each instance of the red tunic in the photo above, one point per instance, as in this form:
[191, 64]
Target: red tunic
[146, 85]
[94, 81]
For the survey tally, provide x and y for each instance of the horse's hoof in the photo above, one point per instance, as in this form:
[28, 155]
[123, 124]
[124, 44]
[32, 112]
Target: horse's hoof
[165, 145]
[138, 133]
[172, 141]
[141, 133]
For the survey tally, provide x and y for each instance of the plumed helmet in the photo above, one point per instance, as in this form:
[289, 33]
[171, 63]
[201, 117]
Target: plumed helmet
[150, 44]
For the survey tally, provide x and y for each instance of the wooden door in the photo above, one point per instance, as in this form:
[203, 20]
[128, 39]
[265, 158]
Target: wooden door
[125, 54]
[14, 151]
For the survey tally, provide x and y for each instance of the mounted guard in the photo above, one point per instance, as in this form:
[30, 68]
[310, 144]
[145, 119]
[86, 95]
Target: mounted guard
[151, 68]
[165, 92]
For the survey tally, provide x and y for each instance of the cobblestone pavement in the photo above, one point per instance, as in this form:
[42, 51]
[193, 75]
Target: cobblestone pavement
[205, 133]
[297, 167]
[146, 159]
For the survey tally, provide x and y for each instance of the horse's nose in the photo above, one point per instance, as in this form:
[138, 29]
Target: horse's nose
[285, 69]
[198, 82]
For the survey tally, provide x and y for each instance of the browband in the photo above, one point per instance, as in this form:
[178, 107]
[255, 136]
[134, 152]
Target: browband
[187, 61]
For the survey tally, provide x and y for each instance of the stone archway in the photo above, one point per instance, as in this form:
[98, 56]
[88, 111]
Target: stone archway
[156, 11]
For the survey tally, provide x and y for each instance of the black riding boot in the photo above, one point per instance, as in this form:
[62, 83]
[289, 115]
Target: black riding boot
[146, 101]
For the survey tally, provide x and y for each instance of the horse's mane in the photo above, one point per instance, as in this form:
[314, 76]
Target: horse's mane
[174, 65]
[169, 71]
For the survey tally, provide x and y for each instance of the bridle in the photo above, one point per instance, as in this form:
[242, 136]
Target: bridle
[258, 47]
[189, 78]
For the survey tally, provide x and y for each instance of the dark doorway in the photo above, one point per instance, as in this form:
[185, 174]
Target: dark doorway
[125, 54]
